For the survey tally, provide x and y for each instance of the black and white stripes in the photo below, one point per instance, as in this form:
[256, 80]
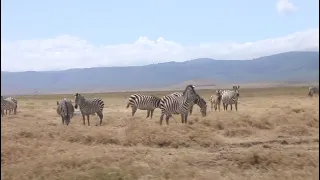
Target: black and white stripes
[215, 100]
[8, 104]
[199, 101]
[89, 106]
[66, 110]
[143, 102]
[313, 90]
[172, 104]
[229, 97]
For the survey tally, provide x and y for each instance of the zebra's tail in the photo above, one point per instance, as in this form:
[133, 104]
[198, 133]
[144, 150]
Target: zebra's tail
[128, 105]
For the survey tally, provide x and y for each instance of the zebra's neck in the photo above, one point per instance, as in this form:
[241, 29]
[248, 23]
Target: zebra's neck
[84, 103]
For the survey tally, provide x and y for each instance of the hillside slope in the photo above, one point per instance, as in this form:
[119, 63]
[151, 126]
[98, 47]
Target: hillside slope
[290, 66]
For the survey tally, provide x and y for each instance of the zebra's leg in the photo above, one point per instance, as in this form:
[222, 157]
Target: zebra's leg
[167, 119]
[182, 118]
[211, 106]
[88, 120]
[236, 105]
[219, 107]
[134, 110]
[148, 113]
[231, 107]
[186, 118]
[6, 112]
[100, 114]
[152, 113]
[83, 119]
[161, 118]
[191, 108]
[62, 119]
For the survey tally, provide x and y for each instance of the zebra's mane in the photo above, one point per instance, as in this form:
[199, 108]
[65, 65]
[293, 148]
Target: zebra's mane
[189, 86]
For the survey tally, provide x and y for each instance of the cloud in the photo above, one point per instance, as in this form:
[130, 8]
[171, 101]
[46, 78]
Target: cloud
[285, 6]
[66, 51]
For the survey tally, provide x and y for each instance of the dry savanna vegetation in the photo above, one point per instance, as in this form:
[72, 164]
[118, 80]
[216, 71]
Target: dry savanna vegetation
[274, 135]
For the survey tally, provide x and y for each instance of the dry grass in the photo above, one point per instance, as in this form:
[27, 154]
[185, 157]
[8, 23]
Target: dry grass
[274, 135]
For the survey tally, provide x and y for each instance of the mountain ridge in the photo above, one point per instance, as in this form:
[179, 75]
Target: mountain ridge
[289, 66]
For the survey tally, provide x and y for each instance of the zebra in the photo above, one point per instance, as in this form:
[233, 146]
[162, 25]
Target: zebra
[6, 104]
[143, 102]
[89, 107]
[199, 101]
[313, 90]
[66, 110]
[215, 100]
[172, 104]
[230, 97]
[16, 106]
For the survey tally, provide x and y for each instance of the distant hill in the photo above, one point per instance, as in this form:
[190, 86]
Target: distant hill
[289, 66]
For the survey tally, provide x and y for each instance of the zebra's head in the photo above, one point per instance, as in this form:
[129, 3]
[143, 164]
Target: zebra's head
[78, 100]
[190, 94]
[236, 90]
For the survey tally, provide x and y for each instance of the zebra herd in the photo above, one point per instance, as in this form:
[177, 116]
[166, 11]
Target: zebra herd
[182, 103]
[175, 103]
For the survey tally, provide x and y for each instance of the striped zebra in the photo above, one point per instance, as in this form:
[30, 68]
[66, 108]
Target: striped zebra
[89, 107]
[66, 110]
[313, 90]
[143, 102]
[6, 104]
[198, 101]
[16, 106]
[215, 100]
[172, 104]
[229, 97]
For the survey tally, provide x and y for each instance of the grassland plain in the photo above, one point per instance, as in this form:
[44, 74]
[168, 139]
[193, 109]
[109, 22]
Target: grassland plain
[274, 135]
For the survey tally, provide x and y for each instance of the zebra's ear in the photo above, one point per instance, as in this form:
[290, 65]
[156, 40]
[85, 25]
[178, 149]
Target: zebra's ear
[77, 94]
[238, 87]
[57, 102]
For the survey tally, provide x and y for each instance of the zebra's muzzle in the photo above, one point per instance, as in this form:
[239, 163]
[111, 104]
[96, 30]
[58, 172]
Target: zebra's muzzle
[76, 106]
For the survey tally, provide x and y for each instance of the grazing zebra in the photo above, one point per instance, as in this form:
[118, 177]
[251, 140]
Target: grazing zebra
[229, 97]
[16, 106]
[215, 100]
[6, 104]
[199, 101]
[143, 102]
[172, 104]
[66, 110]
[89, 107]
[313, 90]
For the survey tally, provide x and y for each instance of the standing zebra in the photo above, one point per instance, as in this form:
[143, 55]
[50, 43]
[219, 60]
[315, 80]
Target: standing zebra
[313, 90]
[65, 110]
[15, 107]
[215, 100]
[6, 104]
[199, 101]
[143, 102]
[89, 107]
[172, 104]
[229, 97]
